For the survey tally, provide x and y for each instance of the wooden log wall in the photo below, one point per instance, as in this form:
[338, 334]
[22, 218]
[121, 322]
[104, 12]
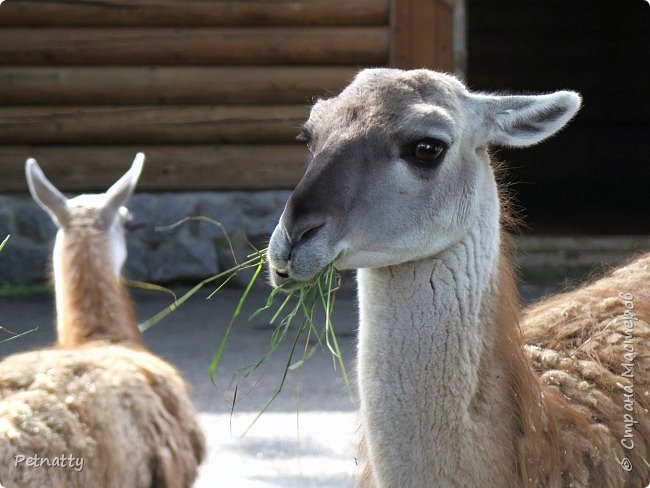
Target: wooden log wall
[422, 34]
[212, 90]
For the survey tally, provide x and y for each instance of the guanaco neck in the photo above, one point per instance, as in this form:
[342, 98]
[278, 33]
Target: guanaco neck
[438, 359]
[91, 302]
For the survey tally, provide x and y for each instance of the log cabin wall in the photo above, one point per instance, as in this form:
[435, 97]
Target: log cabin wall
[212, 90]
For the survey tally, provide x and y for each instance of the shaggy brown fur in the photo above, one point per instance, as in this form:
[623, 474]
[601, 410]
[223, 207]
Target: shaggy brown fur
[99, 395]
[93, 304]
[123, 410]
[591, 347]
[575, 411]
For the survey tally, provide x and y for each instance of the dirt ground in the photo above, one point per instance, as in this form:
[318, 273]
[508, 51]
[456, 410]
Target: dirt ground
[306, 438]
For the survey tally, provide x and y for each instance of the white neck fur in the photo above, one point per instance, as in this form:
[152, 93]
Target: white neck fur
[422, 333]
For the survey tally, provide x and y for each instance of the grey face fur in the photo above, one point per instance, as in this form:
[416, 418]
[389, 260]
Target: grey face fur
[366, 201]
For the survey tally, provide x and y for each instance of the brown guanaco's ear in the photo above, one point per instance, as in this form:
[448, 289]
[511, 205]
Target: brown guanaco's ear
[46, 194]
[524, 120]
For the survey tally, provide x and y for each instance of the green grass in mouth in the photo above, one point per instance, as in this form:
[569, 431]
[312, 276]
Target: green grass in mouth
[293, 315]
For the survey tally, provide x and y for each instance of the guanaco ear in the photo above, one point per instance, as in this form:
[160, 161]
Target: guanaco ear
[118, 194]
[527, 120]
[46, 195]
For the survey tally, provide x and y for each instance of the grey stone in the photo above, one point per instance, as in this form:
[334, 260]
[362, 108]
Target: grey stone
[152, 213]
[172, 208]
[182, 259]
[142, 206]
[269, 207]
[6, 217]
[190, 251]
[33, 222]
[222, 208]
[24, 263]
[135, 267]
[262, 227]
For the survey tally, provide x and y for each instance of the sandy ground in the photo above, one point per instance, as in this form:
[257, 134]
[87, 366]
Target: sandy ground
[308, 435]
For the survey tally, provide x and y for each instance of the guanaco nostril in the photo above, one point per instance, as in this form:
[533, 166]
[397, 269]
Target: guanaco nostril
[309, 232]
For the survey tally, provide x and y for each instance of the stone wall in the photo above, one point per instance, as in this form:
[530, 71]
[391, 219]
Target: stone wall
[187, 252]
[196, 250]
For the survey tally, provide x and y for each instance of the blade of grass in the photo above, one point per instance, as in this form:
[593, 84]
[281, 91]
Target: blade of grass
[308, 353]
[144, 326]
[326, 307]
[344, 372]
[143, 285]
[240, 267]
[18, 335]
[218, 288]
[321, 290]
[276, 339]
[312, 326]
[269, 302]
[217, 357]
[4, 242]
[309, 307]
[279, 311]
[330, 334]
[284, 378]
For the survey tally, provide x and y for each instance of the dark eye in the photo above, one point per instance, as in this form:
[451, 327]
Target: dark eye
[429, 151]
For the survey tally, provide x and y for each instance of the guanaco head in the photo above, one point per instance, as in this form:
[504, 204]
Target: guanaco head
[400, 169]
[99, 216]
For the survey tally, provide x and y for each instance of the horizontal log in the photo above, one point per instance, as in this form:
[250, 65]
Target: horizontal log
[193, 12]
[169, 85]
[191, 167]
[197, 46]
[150, 124]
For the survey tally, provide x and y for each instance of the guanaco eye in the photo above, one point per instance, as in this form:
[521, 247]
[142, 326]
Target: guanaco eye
[429, 150]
